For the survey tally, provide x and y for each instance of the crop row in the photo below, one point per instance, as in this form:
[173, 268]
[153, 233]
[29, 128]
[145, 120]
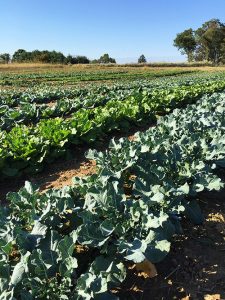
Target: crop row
[27, 148]
[74, 243]
[27, 113]
[43, 93]
[74, 77]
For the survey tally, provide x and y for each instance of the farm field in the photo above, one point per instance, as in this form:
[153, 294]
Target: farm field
[109, 176]
[22, 75]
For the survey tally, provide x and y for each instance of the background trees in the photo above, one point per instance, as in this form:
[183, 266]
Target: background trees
[207, 43]
[211, 38]
[104, 59]
[54, 57]
[20, 55]
[79, 59]
[185, 41]
[5, 58]
[142, 59]
[46, 56]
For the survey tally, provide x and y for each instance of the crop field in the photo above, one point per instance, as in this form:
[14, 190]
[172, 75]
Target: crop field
[112, 182]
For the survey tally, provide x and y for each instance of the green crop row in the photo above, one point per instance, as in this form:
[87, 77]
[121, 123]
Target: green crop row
[74, 77]
[42, 94]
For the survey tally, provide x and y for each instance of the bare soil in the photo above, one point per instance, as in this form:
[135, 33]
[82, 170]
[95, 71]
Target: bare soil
[55, 175]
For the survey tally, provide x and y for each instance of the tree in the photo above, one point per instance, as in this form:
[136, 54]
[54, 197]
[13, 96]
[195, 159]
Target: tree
[142, 59]
[186, 43]
[56, 57]
[5, 58]
[95, 61]
[79, 59]
[106, 59]
[210, 37]
[19, 55]
[223, 52]
[70, 59]
[82, 59]
[36, 55]
[44, 56]
[204, 44]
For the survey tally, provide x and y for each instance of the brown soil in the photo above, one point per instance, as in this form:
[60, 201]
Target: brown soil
[55, 175]
[63, 173]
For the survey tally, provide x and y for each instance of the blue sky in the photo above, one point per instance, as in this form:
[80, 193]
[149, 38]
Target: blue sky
[123, 28]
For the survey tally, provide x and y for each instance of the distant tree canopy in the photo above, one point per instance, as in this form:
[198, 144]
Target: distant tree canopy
[46, 56]
[77, 59]
[142, 59]
[104, 59]
[206, 43]
[186, 43]
[53, 57]
[4, 58]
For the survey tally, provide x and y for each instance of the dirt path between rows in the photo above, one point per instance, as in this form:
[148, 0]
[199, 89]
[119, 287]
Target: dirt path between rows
[55, 175]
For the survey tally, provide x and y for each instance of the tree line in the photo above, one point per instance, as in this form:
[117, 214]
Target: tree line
[54, 57]
[207, 43]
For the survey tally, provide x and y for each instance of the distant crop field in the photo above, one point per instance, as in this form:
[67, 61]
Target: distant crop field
[26, 75]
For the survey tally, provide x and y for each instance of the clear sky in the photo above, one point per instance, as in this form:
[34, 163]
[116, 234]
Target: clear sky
[123, 28]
